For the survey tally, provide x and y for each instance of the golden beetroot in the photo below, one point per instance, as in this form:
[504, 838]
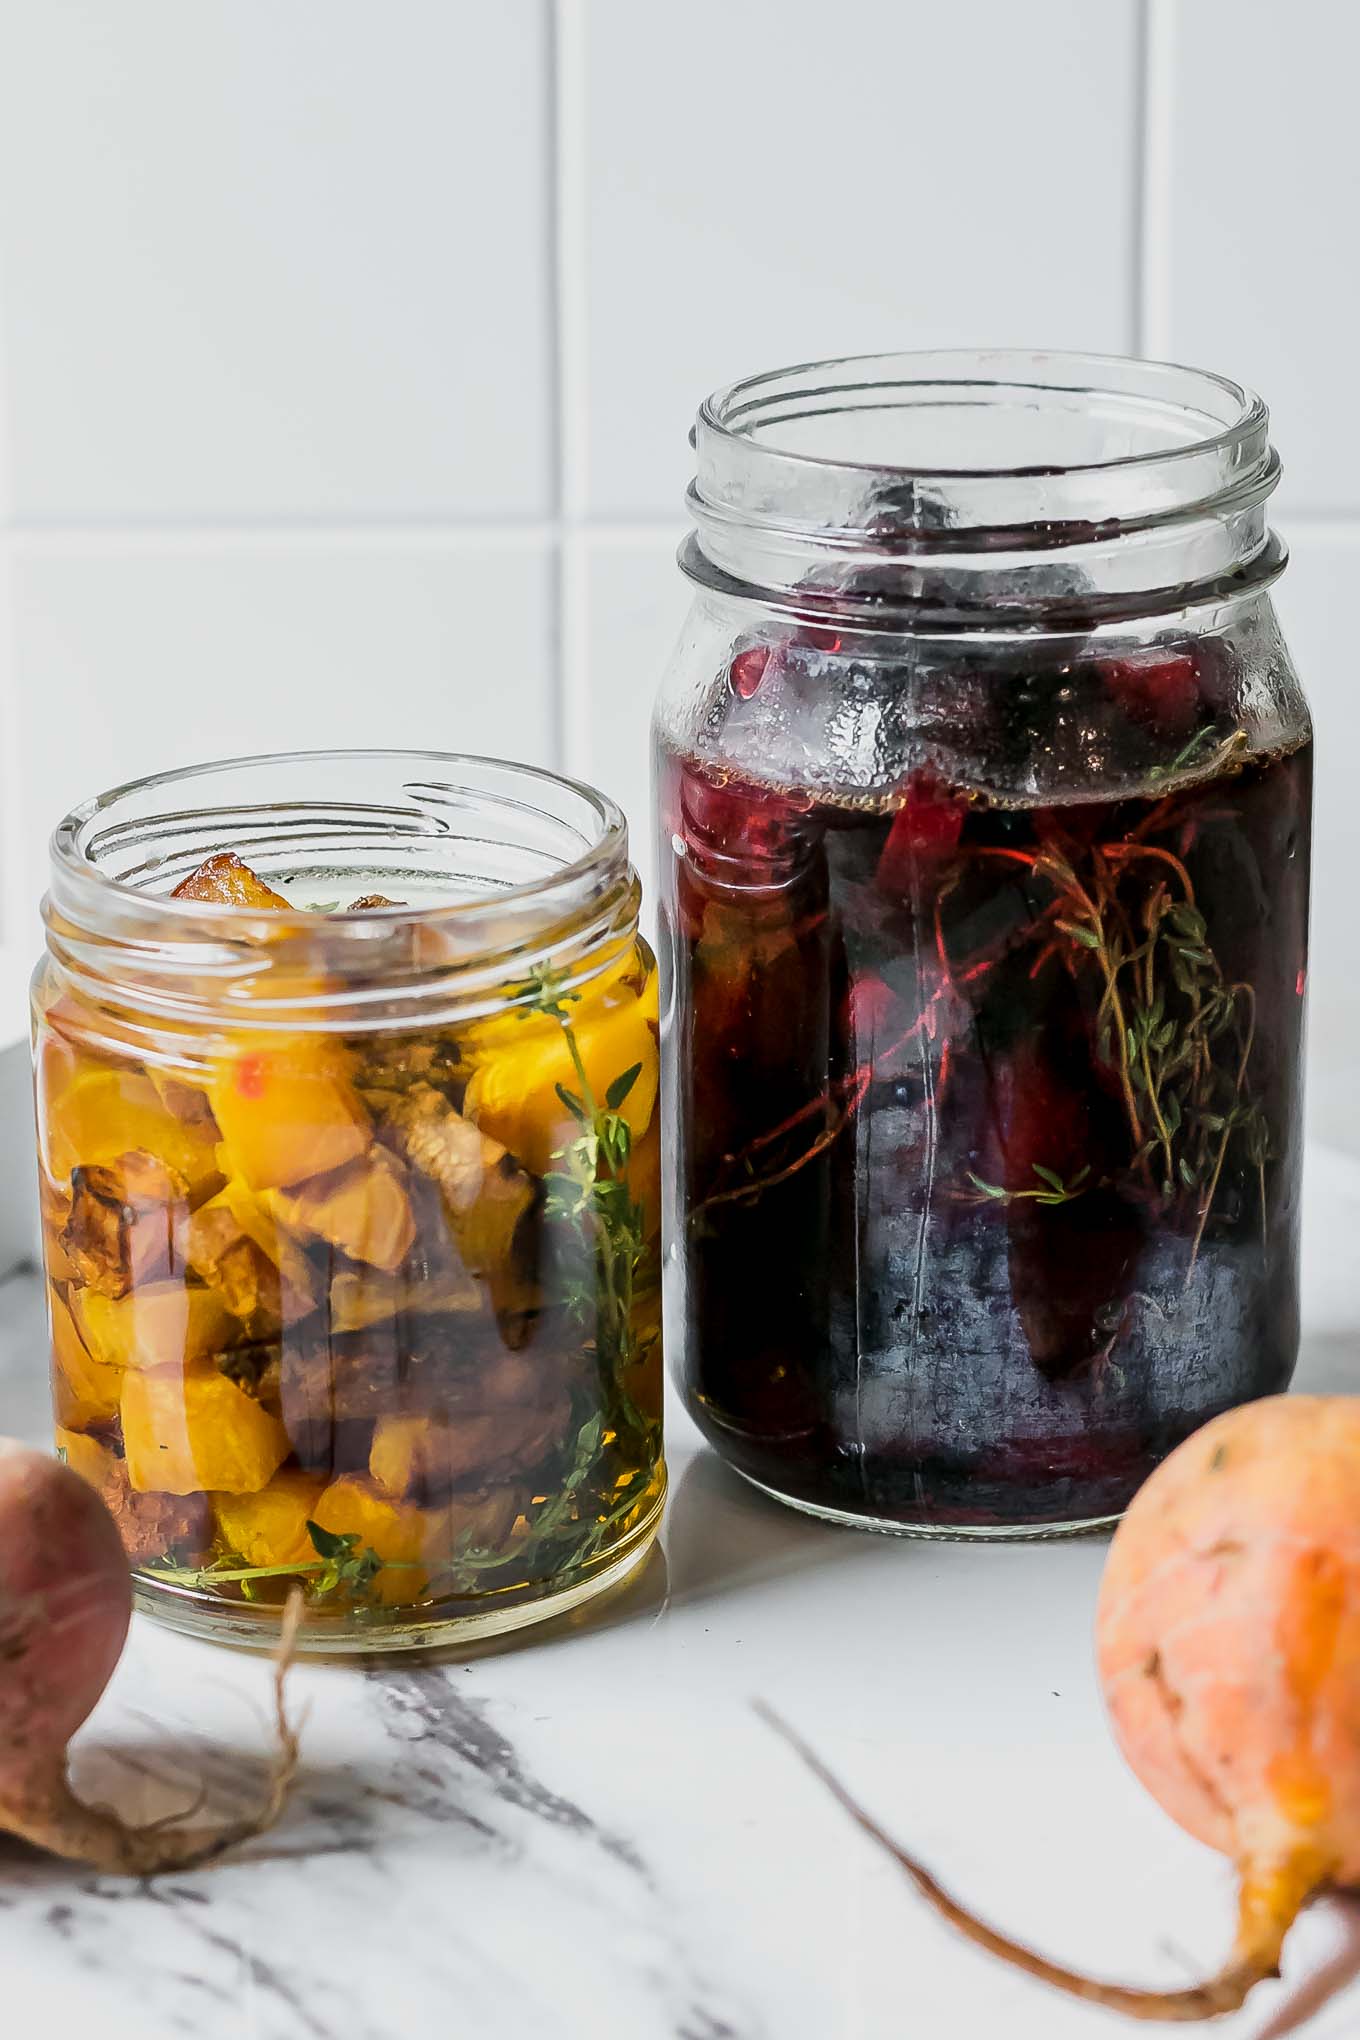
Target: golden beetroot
[1228, 1646]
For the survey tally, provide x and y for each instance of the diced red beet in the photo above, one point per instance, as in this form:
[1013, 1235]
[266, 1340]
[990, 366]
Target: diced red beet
[924, 834]
[747, 670]
[1035, 1118]
[870, 1007]
[733, 819]
[1160, 689]
[1090, 1455]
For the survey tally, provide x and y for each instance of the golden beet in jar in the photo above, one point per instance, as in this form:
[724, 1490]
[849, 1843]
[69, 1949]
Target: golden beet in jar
[346, 1071]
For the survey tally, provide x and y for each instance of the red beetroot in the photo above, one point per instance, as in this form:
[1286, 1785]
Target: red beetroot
[1035, 1120]
[871, 1010]
[747, 670]
[924, 834]
[1160, 689]
[65, 1603]
[731, 820]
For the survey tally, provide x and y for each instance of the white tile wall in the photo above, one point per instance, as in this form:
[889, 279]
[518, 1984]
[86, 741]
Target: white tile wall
[1315, 605]
[633, 601]
[347, 352]
[275, 258]
[193, 651]
[1260, 249]
[761, 182]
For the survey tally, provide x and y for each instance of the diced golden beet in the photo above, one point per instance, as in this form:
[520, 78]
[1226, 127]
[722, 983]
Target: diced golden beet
[486, 1192]
[270, 1528]
[398, 1533]
[297, 1284]
[226, 881]
[158, 1526]
[93, 1461]
[96, 1115]
[360, 1298]
[127, 1223]
[514, 1096]
[85, 1391]
[425, 1457]
[227, 1260]
[185, 1432]
[167, 1324]
[257, 1369]
[331, 1391]
[186, 1102]
[485, 1041]
[390, 1064]
[177, 1528]
[152, 1526]
[362, 1209]
[401, 1454]
[414, 1542]
[54, 1208]
[287, 1110]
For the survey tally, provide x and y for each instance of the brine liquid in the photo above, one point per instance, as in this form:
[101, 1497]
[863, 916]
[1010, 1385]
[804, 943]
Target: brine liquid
[986, 1123]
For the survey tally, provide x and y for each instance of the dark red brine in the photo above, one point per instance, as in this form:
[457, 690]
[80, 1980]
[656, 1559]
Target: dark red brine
[987, 951]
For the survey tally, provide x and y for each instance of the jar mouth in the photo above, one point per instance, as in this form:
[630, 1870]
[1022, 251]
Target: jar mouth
[494, 870]
[140, 839]
[1052, 486]
[1068, 413]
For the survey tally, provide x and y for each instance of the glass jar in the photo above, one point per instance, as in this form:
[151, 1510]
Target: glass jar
[346, 1097]
[984, 795]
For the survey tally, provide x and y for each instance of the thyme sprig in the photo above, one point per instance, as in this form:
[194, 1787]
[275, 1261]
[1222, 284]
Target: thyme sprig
[344, 1569]
[590, 1191]
[1177, 1033]
[1174, 1031]
[1051, 1189]
[563, 1518]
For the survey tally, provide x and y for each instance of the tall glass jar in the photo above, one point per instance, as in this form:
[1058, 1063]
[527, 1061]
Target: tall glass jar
[984, 792]
[346, 1096]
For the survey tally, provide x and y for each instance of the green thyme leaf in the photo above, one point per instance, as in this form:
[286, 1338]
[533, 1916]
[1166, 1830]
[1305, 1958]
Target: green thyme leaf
[327, 1543]
[621, 1086]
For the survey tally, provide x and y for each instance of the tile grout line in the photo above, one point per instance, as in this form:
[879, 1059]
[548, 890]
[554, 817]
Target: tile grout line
[42, 540]
[573, 388]
[1138, 174]
[1152, 239]
[31, 540]
[12, 917]
[553, 292]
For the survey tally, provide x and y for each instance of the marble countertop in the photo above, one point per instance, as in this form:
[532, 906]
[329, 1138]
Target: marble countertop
[590, 1832]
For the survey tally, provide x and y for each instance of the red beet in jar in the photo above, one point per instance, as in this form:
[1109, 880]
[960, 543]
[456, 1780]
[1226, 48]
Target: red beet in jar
[983, 784]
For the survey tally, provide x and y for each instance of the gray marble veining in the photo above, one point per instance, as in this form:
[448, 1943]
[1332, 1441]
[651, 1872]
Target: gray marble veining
[588, 1835]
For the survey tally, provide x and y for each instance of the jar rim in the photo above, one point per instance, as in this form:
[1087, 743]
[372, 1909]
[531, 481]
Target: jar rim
[958, 486]
[70, 848]
[732, 412]
[536, 863]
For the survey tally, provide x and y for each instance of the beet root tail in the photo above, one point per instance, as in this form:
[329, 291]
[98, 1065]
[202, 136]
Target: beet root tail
[45, 1811]
[1270, 1898]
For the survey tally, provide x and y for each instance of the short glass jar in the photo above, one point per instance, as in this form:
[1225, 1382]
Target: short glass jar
[346, 1096]
[984, 803]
